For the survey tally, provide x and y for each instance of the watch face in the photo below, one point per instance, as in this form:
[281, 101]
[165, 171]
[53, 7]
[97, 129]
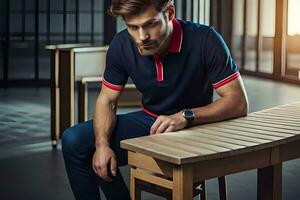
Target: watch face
[188, 114]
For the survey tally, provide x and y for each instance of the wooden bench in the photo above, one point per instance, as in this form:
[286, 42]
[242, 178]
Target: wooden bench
[177, 160]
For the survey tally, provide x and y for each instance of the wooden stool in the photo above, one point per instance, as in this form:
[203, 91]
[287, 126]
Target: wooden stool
[147, 182]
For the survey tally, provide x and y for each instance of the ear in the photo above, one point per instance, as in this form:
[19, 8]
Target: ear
[171, 12]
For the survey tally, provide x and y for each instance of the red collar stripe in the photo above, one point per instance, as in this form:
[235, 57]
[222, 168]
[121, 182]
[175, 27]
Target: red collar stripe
[177, 36]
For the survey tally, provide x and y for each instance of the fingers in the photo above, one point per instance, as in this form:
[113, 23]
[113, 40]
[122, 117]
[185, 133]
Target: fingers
[170, 129]
[101, 171]
[162, 127]
[104, 174]
[100, 168]
[113, 166]
[155, 126]
[162, 124]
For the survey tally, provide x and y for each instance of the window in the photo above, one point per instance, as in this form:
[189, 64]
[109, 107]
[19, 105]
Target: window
[293, 40]
[266, 36]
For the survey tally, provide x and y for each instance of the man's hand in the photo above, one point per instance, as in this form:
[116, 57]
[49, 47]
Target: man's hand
[104, 159]
[170, 123]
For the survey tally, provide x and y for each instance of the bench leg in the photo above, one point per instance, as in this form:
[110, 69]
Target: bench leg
[183, 183]
[269, 183]
[135, 192]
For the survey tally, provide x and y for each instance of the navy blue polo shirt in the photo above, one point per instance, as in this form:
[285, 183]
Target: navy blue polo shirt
[197, 61]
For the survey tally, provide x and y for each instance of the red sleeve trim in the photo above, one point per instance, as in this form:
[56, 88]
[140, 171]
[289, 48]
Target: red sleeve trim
[112, 86]
[226, 80]
[149, 112]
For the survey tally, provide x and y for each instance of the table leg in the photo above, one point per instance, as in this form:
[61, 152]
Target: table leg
[135, 193]
[269, 183]
[183, 182]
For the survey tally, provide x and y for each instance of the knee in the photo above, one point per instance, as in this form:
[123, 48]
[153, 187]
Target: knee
[69, 140]
[78, 139]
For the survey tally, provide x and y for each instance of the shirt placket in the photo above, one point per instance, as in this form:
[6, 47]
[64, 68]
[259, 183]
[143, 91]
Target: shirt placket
[159, 68]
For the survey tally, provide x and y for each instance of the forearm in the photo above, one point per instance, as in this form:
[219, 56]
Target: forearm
[104, 121]
[226, 107]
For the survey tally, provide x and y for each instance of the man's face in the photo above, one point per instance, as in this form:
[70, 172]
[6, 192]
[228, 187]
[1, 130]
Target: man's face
[150, 30]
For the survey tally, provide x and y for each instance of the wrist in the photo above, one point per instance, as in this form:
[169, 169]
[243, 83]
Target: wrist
[101, 144]
[184, 121]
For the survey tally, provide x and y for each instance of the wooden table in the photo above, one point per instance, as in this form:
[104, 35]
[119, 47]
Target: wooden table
[176, 160]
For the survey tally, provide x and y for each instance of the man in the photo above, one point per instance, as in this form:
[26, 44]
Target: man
[175, 65]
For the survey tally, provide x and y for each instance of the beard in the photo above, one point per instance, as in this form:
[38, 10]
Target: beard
[149, 48]
[152, 47]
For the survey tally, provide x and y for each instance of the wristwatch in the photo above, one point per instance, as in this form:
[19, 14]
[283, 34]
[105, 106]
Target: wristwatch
[189, 115]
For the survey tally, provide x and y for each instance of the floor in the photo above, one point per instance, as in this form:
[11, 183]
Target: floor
[31, 170]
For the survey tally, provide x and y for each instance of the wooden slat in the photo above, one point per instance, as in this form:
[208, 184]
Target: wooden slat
[275, 109]
[262, 132]
[260, 124]
[179, 144]
[274, 117]
[245, 133]
[279, 109]
[233, 136]
[291, 108]
[192, 137]
[287, 107]
[291, 126]
[295, 107]
[274, 131]
[273, 121]
[222, 139]
[284, 113]
[278, 115]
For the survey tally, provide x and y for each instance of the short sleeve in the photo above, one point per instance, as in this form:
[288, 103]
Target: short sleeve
[221, 67]
[115, 75]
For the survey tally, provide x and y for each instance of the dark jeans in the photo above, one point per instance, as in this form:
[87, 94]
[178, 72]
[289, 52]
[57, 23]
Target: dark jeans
[78, 145]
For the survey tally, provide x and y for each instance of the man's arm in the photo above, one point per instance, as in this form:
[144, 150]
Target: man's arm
[233, 102]
[104, 123]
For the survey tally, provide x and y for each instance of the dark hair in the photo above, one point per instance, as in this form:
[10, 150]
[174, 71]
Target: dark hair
[135, 7]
